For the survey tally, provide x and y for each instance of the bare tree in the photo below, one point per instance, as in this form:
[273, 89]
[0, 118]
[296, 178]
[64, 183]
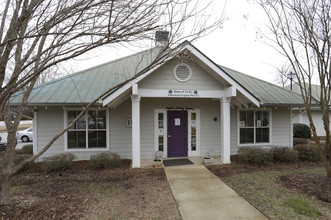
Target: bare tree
[301, 31]
[282, 78]
[50, 74]
[36, 35]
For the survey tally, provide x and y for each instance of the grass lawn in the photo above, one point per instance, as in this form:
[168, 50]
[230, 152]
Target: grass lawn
[265, 190]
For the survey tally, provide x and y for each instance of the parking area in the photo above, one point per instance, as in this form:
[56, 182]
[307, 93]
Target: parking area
[19, 145]
[23, 125]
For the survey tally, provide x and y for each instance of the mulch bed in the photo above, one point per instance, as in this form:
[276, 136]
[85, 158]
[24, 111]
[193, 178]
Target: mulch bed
[70, 194]
[237, 168]
[313, 185]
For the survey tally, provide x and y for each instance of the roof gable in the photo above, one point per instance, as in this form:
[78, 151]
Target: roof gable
[197, 56]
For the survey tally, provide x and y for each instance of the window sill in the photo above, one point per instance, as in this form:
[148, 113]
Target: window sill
[87, 150]
[253, 145]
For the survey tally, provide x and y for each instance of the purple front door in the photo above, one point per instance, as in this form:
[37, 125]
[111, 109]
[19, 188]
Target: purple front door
[177, 133]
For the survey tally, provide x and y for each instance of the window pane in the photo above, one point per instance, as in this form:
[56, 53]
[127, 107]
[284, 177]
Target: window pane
[193, 138]
[262, 118]
[76, 139]
[160, 143]
[92, 139]
[193, 131]
[246, 135]
[243, 118]
[97, 139]
[193, 116]
[81, 123]
[250, 118]
[102, 139]
[71, 117]
[194, 144]
[262, 135]
[92, 119]
[160, 120]
[97, 119]
[265, 121]
[101, 120]
[247, 117]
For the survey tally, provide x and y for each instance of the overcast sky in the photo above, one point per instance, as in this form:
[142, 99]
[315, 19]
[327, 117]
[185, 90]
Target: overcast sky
[238, 45]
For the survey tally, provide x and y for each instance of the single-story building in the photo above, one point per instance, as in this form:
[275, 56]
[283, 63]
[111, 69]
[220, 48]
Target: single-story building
[300, 114]
[186, 106]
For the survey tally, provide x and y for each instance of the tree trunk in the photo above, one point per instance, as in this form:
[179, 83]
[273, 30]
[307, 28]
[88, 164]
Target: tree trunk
[4, 189]
[328, 172]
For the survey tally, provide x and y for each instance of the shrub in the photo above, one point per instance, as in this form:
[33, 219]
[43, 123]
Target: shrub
[58, 162]
[301, 131]
[307, 152]
[26, 149]
[284, 154]
[18, 158]
[105, 160]
[297, 141]
[254, 155]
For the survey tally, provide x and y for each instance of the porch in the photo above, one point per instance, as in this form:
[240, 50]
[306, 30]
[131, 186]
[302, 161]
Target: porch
[198, 161]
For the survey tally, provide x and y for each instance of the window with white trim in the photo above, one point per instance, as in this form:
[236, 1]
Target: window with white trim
[160, 120]
[254, 126]
[89, 131]
[193, 131]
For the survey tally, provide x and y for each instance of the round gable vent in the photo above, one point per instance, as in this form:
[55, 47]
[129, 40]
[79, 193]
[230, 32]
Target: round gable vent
[182, 72]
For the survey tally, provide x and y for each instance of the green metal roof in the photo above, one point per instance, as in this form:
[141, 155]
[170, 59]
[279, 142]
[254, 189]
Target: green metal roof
[86, 85]
[267, 93]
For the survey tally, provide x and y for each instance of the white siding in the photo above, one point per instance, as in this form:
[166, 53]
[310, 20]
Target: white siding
[234, 131]
[281, 125]
[163, 78]
[120, 134]
[49, 123]
[317, 118]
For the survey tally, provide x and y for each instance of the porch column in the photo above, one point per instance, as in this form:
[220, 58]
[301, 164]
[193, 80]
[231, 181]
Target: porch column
[135, 131]
[225, 130]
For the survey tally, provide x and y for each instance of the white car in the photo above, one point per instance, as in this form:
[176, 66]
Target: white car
[3, 144]
[25, 135]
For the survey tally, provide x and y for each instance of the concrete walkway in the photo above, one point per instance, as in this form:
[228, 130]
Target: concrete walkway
[202, 195]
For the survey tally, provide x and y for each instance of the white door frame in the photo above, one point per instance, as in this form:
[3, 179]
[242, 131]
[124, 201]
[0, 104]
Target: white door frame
[164, 131]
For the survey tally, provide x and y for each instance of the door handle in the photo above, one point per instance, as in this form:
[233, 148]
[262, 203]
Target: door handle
[169, 136]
